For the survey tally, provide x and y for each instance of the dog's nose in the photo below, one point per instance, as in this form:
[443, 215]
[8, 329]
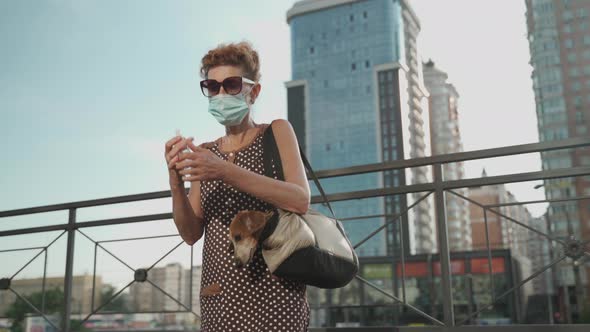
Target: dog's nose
[238, 262]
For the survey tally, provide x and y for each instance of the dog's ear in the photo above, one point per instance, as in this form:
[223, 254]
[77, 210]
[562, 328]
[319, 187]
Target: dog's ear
[268, 214]
[255, 222]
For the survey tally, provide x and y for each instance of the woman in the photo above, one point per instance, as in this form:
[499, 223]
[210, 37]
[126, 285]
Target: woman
[227, 176]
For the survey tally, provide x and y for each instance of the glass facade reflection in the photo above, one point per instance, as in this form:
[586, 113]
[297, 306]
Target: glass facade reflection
[355, 98]
[361, 305]
[334, 51]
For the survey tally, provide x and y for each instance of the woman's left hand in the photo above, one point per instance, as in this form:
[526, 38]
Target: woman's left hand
[204, 165]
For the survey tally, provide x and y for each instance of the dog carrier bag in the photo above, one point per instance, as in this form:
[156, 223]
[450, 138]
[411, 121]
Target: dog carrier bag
[332, 261]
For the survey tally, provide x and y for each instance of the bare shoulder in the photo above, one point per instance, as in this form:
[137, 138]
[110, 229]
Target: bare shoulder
[286, 140]
[282, 128]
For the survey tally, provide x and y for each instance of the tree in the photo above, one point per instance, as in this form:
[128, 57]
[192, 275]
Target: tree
[54, 304]
[118, 304]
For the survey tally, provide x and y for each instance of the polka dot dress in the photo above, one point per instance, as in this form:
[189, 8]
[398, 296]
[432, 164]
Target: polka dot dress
[250, 299]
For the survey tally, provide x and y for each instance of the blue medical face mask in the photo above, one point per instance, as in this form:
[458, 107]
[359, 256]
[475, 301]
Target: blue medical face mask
[229, 110]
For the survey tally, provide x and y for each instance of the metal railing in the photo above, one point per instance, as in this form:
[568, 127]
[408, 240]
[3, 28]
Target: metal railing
[572, 248]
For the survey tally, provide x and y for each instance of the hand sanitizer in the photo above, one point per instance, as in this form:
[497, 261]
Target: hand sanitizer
[185, 149]
[179, 134]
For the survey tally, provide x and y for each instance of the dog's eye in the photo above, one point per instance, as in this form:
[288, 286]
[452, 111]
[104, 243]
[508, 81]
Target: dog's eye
[237, 238]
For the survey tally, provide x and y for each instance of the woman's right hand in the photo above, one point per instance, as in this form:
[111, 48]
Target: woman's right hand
[173, 147]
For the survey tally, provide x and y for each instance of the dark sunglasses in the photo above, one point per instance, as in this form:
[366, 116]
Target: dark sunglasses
[231, 85]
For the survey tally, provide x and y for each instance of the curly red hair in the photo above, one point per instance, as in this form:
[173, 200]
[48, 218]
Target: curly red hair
[240, 54]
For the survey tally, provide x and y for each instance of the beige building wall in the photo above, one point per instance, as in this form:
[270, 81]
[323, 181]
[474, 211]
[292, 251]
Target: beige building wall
[173, 279]
[422, 226]
[503, 233]
[81, 291]
[445, 137]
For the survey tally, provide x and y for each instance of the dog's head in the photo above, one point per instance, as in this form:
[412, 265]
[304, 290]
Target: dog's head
[244, 234]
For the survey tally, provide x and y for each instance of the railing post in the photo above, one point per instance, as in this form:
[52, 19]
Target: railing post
[443, 241]
[69, 271]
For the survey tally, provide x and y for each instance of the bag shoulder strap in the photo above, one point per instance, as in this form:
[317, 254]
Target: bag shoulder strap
[271, 153]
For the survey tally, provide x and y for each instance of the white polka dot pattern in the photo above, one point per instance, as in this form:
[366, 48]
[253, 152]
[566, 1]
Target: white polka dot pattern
[250, 300]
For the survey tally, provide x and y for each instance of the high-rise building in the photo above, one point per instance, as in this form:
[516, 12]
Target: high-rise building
[357, 97]
[503, 232]
[196, 288]
[559, 43]
[175, 281]
[445, 137]
[539, 253]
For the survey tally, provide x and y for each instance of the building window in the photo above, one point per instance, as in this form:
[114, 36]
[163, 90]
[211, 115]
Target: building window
[365, 14]
[328, 148]
[550, 45]
[353, 67]
[587, 40]
[311, 50]
[574, 72]
[583, 25]
[567, 28]
[324, 35]
[367, 64]
[325, 83]
[351, 18]
[571, 58]
[569, 43]
[576, 86]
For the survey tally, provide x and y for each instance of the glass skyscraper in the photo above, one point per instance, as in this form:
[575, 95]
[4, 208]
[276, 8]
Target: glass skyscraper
[559, 43]
[559, 40]
[357, 97]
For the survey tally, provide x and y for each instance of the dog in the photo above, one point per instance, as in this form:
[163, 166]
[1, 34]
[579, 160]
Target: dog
[277, 234]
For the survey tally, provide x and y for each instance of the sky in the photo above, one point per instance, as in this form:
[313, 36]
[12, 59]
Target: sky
[91, 90]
